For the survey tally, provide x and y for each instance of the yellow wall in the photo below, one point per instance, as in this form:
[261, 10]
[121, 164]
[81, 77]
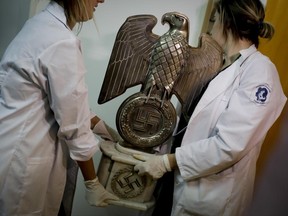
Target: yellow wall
[277, 50]
[270, 193]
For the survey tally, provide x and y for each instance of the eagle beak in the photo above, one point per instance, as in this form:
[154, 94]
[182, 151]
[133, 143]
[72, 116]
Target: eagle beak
[166, 18]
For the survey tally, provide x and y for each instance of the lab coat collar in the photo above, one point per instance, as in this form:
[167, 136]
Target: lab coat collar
[58, 12]
[223, 80]
[245, 53]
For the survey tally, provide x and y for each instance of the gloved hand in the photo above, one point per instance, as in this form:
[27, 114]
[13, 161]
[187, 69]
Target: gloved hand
[154, 165]
[96, 195]
[106, 132]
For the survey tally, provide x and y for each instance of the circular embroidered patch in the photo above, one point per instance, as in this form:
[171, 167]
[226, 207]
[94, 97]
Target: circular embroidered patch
[261, 94]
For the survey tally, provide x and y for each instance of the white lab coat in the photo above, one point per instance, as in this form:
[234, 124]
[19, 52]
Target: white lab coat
[218, 154]
[44, 112]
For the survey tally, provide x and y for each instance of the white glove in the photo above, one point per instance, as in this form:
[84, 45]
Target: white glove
[154, 165]
[106, 132]
[96, 195]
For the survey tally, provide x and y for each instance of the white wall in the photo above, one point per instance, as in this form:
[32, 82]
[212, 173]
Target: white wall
[13, 14]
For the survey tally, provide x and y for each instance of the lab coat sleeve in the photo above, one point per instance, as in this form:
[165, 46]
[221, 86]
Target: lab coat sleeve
[68, 96]
[240, 126]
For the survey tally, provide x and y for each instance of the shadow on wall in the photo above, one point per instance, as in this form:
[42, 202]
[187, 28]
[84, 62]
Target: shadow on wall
[11, 21]
[271, 187]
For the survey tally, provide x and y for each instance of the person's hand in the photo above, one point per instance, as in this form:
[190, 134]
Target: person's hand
[106, 132]
[154, 165]
[96, 195]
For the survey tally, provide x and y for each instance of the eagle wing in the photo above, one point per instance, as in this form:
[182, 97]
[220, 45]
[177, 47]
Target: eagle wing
[202, 65]
[130, 55]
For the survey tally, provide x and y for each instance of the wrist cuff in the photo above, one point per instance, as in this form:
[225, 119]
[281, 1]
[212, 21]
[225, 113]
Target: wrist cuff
[166, 162]
[91, 184]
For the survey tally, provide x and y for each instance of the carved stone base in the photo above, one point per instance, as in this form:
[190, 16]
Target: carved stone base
[116, 174]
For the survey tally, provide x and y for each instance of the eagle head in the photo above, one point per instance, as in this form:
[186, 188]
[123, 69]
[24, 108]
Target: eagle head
[178, 22]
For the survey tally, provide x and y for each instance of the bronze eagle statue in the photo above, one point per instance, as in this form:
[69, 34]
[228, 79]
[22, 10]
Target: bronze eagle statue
[164, 64]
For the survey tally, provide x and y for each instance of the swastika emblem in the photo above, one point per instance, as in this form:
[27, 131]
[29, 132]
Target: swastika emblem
[127, 184]
[144, 122]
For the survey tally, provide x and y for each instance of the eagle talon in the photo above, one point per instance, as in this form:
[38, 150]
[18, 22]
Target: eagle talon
[149, 94]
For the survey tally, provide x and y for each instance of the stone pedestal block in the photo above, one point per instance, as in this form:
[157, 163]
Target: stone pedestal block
[116, 174]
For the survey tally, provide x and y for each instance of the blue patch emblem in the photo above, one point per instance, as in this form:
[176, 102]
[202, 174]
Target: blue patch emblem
[261, 94]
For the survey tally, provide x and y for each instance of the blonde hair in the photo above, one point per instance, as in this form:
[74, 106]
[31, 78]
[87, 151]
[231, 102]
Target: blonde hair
[75, 10]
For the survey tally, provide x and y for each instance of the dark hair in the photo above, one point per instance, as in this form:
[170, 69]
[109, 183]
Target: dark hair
[244, 19]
